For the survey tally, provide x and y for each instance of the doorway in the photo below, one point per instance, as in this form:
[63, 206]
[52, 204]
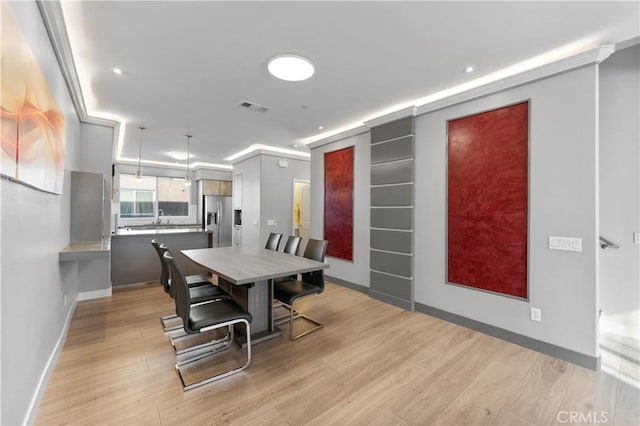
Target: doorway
[301, 209]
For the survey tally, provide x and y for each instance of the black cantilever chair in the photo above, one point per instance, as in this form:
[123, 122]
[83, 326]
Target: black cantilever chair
[199, 318]
[273, 241]
[200, 289]
[292, 244]
[311, 283]
[291, 247]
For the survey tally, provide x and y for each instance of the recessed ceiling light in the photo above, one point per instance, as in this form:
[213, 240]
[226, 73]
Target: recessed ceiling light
[116, 71]
[320, 127]
[470, 69]
[293, 145]
[178, 155]
[291, 67]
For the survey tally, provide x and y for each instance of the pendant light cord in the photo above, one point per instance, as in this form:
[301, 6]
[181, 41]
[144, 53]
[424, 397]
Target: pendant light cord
[140, 148]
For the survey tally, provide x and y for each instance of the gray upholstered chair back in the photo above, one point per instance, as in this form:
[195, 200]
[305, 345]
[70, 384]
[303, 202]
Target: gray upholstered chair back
[315, 250]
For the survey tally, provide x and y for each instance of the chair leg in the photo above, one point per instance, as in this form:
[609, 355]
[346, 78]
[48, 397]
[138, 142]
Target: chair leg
[283, 318]
[294, 315]
[179, 365]
[210, 344]
[169, 329]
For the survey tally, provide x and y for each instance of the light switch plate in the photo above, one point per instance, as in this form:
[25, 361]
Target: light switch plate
[565, 243]
[636, 238]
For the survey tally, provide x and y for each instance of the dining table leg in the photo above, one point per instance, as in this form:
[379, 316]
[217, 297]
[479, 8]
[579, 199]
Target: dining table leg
[256, 298]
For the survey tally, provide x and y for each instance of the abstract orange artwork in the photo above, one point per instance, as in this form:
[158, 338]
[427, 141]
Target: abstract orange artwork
[33, 126]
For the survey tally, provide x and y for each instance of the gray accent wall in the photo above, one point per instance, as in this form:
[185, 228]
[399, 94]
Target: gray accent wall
[563, 147]
[392, 200]
[620, 191]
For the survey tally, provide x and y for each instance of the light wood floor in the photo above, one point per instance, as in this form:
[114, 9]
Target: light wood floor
[371, 364]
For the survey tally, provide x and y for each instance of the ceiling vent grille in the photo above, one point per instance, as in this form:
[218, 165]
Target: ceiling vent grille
[254, 106]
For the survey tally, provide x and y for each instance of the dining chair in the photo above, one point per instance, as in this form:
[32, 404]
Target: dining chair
[292, 245]
[201, 289]
[200, 318]
[289, 292]
[273, 241]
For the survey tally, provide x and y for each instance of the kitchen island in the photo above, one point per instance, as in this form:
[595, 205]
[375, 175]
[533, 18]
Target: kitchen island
[133, 259]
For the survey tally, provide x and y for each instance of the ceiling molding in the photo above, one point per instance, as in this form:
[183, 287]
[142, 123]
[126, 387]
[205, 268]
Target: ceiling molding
[593, 56]
[628, 43]
[53, 20]
[339, 136]
[256, 152]
[392, 116]
[172, 166]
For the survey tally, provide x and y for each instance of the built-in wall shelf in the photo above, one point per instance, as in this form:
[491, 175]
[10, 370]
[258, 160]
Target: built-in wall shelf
[85, 251]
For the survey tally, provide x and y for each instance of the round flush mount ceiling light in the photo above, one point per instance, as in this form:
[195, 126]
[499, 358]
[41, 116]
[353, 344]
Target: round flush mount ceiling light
[117, 71]
[291, 67]
[470, 69]
[178, 155]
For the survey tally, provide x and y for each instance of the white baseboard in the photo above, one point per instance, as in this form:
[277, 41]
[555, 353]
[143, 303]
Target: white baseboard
[30, 416]
[96, 294]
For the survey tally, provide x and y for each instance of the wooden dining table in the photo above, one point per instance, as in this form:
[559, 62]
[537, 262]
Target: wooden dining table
[247, 274]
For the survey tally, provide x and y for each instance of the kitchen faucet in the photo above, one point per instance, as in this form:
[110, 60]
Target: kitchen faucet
[160, 213]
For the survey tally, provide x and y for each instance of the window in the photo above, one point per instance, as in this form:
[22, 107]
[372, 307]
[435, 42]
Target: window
[173, 197]
[145, 197]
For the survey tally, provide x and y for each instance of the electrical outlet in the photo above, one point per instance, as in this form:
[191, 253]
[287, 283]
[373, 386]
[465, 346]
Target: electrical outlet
[636, 238]
[536, 314]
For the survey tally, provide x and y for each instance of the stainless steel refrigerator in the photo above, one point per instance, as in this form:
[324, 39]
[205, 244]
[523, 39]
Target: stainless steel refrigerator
[217, 216]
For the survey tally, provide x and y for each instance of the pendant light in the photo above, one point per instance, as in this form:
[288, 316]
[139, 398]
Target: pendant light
[139, 173]
[187, 179]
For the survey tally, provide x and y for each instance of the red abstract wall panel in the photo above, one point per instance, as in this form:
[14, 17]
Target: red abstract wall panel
[338, 203]
[487, 200]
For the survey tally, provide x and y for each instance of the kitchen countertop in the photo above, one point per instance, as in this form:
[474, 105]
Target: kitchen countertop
[127, 232]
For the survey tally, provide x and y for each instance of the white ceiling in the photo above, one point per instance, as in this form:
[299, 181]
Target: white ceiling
[188, 65]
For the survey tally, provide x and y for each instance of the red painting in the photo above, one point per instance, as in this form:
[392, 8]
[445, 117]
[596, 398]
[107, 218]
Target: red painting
[487, 198]
[338, 203]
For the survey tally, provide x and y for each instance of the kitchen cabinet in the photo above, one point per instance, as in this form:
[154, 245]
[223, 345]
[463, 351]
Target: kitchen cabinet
[237, 192]
[217, 187]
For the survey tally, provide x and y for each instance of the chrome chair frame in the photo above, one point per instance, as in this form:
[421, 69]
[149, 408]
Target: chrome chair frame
[234, 314]
[316, 250]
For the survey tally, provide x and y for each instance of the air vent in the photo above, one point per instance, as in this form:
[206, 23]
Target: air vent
[254, 106]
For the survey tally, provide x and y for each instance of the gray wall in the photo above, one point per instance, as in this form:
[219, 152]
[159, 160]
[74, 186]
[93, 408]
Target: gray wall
[250, 170]
[357, 271]
[96, 151]
[276, 202]
[620, 191]
[562, 201]
[267, 194]
[35, 227]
